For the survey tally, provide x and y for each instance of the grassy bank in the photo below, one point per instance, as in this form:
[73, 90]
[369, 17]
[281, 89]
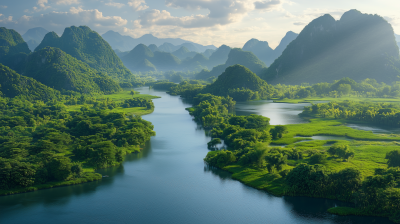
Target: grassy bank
[339, 99]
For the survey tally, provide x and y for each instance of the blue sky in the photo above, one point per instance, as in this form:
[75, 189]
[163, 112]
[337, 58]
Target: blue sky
[217, 22]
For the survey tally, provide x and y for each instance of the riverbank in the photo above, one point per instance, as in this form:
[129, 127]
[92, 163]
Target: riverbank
[338, 99]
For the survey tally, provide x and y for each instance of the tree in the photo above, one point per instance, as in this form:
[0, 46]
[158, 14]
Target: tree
[132, 93]
[213, 143]
[344, 89]
[393, 158]
[278, 131]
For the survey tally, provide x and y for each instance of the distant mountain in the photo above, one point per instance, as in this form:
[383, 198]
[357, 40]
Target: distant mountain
[89, 47]
[208, 52]
[261, 49]
[397, 39]
[141, 58]
[183, 53]
[264, 52]
[34, 36]
[59, 70]
[153, 47]
[357, 46]
[236, 82]
[127, 43]
[13, 84]
[220, 55]
[236, 56]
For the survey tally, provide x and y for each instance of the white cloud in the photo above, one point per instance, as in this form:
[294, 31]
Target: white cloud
[299, 23]
[267, 5]
[3, 6]
[66, 2]
[59, 20]
[138, 5]
[393, 20]
[115, 4]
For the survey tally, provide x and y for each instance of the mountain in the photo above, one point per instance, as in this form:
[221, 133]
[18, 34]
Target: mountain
[183, 53]
[261, 49]
[397, 39]
[88, 46]
[11, 44]
[141, 58]
[197, 62]
[153, 47]
[167, 47]
[59, 70]
[34, 36]
[236, 82]
[208, 52]
[13, 84]
[264, 52]
[126, 43]
[289, 37]
[357, 46]
[235, 56]
[220, 55]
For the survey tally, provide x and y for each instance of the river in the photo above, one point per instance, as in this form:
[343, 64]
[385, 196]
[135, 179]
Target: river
[169, 183]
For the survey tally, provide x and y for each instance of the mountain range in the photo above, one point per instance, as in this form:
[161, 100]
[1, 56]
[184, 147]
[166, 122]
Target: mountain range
[127, 43]
[357, 46]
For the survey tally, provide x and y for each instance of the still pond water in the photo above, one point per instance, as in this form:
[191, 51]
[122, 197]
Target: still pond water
[169, 183]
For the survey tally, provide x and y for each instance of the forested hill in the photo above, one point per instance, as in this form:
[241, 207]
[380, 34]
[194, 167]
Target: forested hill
[235, 56]
[13, 84]
[357, 46]
[240, 83]
[57, 69]
[11, 44]
[89, 47]
[264, 52]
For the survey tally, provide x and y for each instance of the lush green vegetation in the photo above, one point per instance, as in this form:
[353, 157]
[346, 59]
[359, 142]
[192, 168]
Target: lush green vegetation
[56, 69]
[363, 172]
[88, 46]
[386, 114]
[13, 84]
[241, 84]
[358, 46]
[43, 144]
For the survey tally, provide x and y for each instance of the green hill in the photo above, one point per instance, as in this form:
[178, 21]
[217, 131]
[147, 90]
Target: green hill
[57, 69]
[13, 84]
[235, 56]
[240, 83]
[358, 46]
[183, 53]
[261, 49]
[11, 44]
[89, 47]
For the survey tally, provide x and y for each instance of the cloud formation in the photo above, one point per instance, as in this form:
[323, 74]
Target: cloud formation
[138, 5]
[115, 4]
[59, 20]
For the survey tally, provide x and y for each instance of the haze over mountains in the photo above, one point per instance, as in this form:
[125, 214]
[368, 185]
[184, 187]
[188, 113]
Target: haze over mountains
[357, 46]
[264, 52]
[34, 36]
[127, 43]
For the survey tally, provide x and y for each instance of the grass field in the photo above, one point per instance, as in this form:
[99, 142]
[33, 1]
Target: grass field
[120, 97]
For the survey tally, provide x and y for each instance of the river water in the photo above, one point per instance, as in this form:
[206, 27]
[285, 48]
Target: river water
[169, 183]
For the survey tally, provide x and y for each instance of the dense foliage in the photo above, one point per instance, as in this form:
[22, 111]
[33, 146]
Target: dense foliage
[42, 142]
[13, 84]
[241, 84]
[56, 69]
[387, 114]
